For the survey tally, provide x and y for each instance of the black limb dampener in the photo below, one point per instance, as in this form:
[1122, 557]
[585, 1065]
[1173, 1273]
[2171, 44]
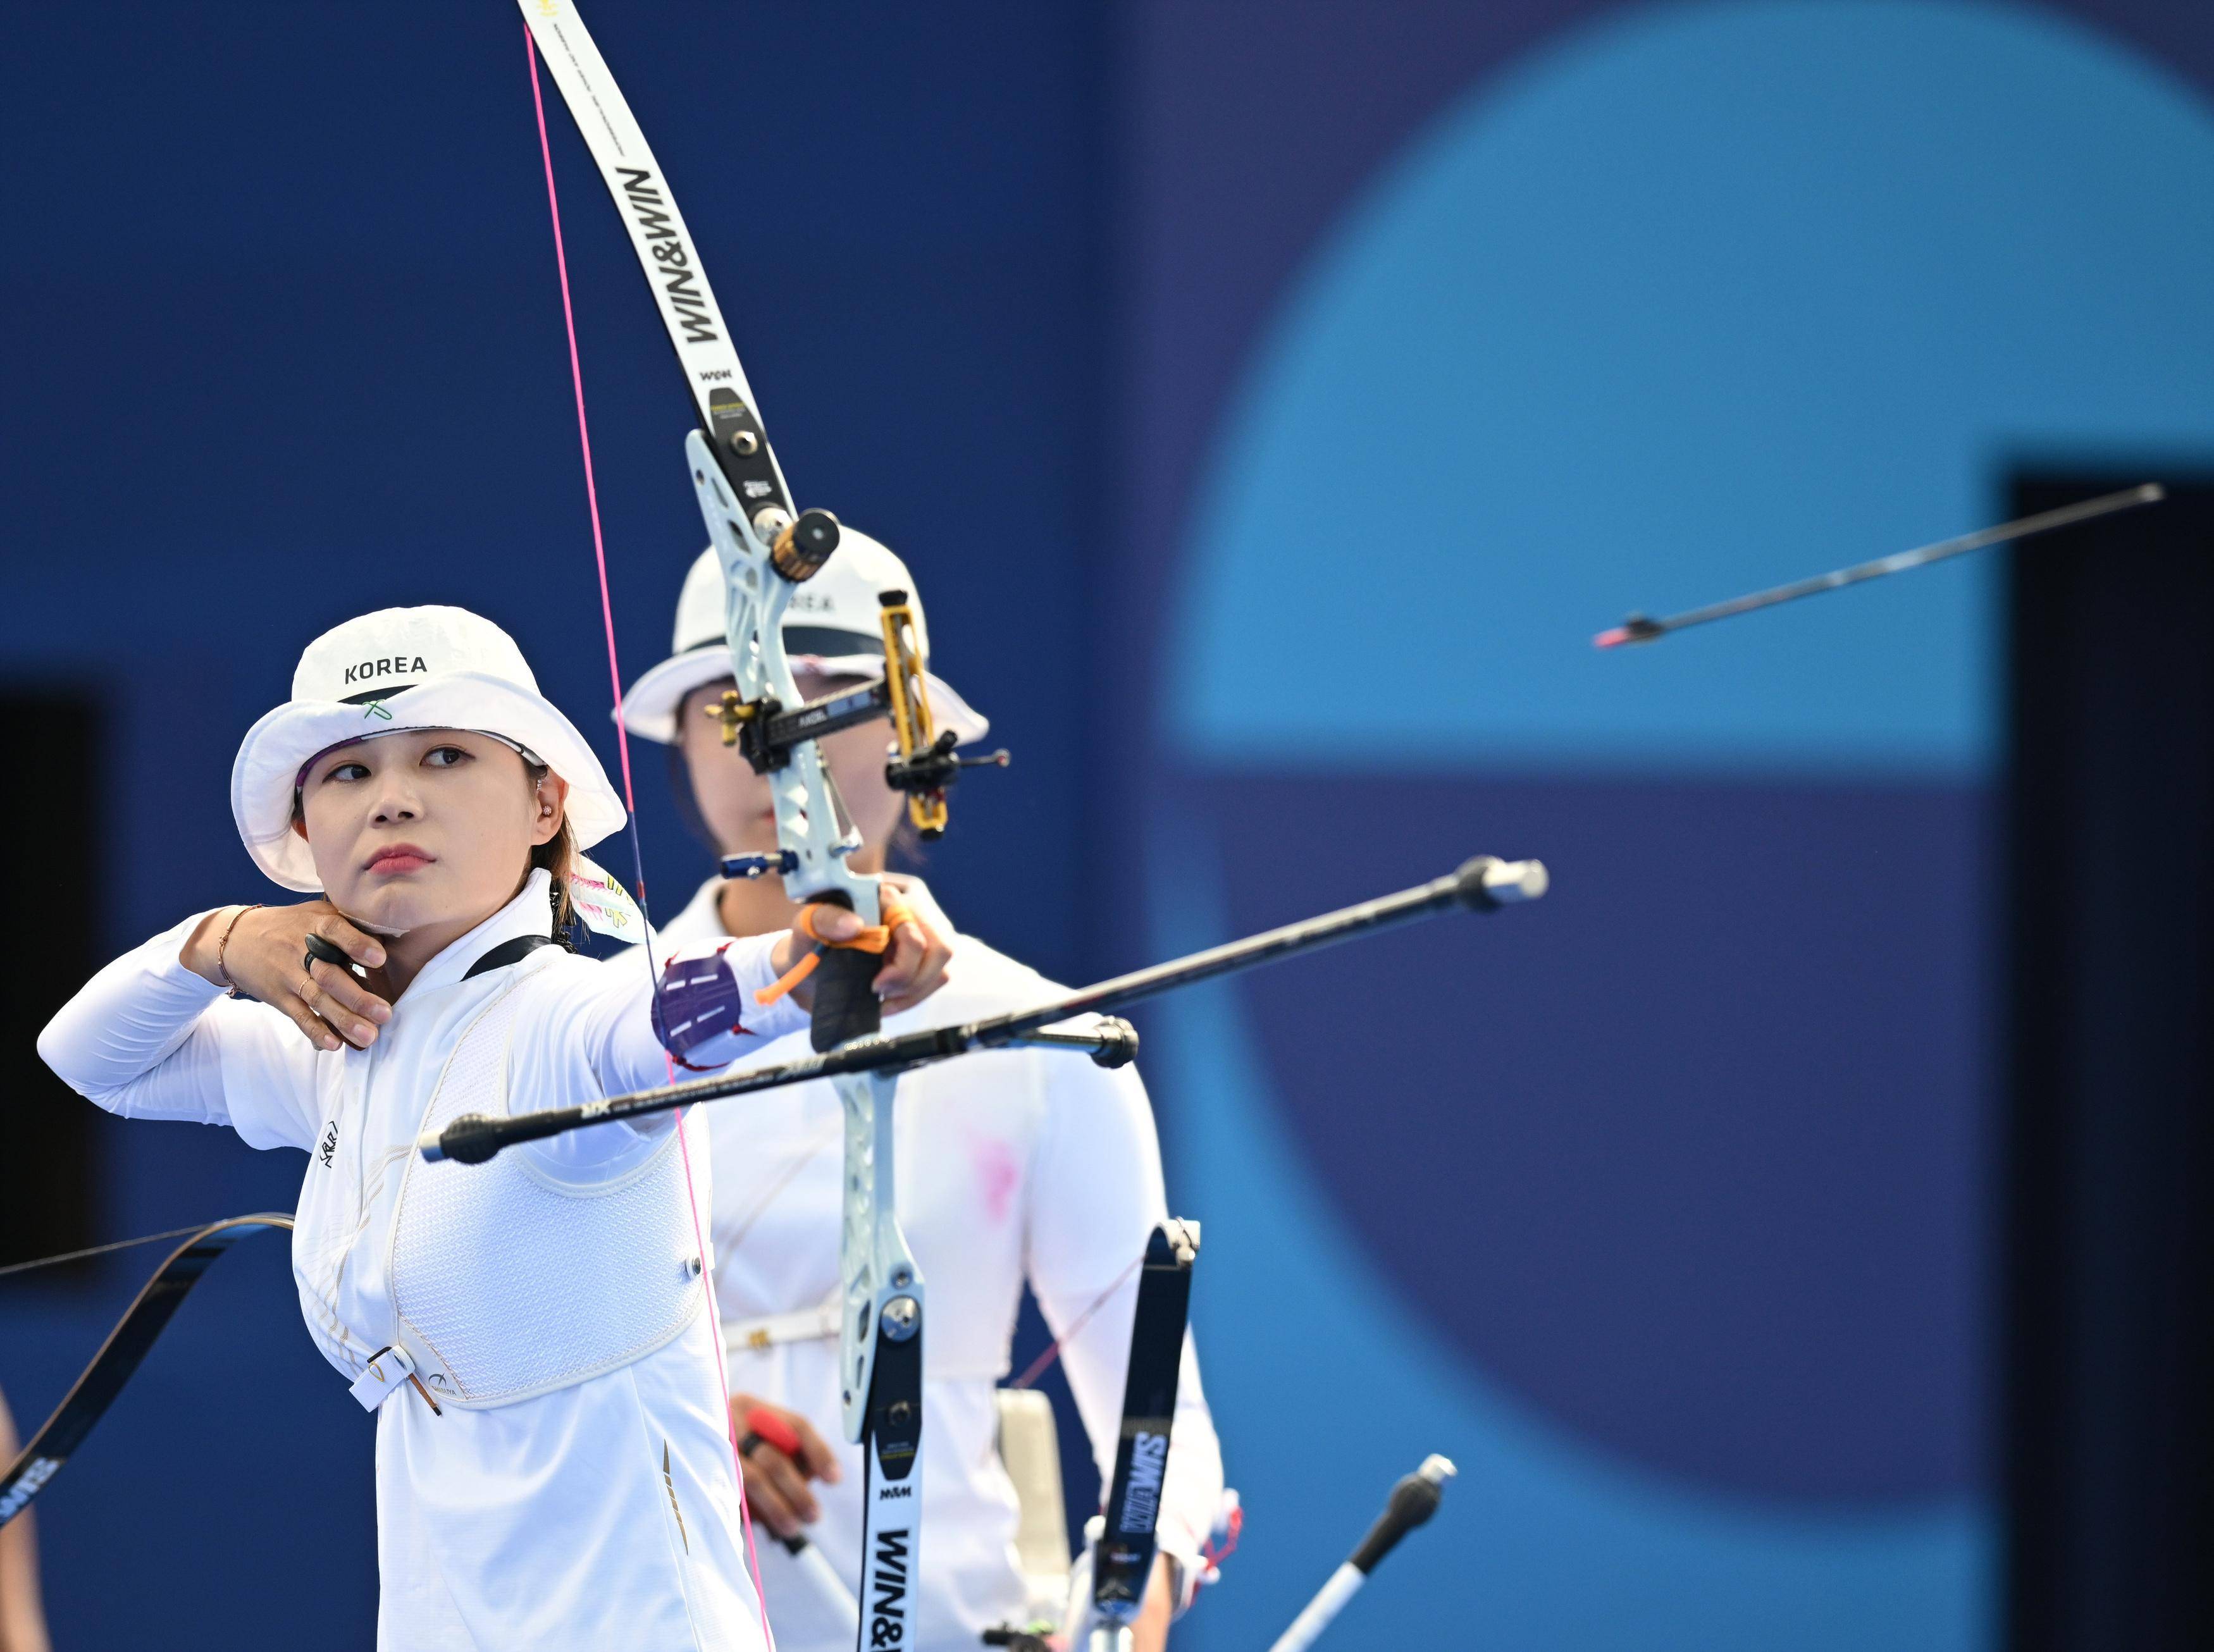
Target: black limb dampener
[800, 550]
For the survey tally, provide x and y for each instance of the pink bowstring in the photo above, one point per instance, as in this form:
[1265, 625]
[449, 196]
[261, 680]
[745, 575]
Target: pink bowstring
[585, 442]
[630, 805]
[1038, 1365]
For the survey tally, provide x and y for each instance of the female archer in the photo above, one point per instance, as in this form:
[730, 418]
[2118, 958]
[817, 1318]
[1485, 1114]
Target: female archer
[552, 1463]
[1015, 1167]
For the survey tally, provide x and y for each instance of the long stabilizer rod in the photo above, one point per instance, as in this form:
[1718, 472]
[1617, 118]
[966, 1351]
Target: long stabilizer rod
[1413, 1501]
[1482, 884]
[1639, 627]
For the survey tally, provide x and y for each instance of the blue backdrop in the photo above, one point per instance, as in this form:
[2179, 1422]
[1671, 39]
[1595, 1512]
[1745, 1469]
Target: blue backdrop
[283, 343]
[1666, 1207]
[1223, 369]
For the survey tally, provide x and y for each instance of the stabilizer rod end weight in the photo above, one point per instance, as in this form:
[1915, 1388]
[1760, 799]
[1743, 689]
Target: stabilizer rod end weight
[1487, 883]
[1413, 1501]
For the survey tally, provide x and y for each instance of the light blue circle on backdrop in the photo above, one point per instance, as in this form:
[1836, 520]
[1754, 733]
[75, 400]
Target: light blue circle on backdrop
[1700, 299]
[1706, 299]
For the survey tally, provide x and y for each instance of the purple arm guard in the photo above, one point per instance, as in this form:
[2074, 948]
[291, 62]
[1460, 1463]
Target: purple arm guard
[698, 1014]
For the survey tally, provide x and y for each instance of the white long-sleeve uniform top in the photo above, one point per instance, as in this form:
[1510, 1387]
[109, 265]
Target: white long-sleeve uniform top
[604, 1514]
[1015, 1165]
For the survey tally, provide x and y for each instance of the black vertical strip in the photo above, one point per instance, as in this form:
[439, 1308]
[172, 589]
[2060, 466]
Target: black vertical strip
[51, 848]
[1124, 1558]
[2108, 1431]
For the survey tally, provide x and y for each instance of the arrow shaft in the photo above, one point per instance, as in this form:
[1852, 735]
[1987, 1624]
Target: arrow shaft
[1645, 630]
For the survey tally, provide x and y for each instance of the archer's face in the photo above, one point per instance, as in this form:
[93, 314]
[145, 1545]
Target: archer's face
[734, 801]
[425, 828]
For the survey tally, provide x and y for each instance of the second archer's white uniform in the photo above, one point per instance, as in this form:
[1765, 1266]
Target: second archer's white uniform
[1016, 1165]
[577, 1490]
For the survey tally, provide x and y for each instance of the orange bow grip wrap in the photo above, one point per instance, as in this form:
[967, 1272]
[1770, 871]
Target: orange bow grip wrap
[873, 937]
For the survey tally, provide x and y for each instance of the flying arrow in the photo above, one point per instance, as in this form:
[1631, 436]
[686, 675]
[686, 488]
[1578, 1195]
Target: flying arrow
[1639, 627]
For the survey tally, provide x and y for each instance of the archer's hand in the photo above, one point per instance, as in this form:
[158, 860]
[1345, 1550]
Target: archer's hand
[776, 1478]
[921, 949]
[263, 960]
[915, 963]
[1150, 1632]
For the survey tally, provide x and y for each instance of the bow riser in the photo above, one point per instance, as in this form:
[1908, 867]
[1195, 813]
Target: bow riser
[806, 797]
[874, 1262]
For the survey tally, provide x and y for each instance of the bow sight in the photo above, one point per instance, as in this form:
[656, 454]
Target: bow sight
[921, 764]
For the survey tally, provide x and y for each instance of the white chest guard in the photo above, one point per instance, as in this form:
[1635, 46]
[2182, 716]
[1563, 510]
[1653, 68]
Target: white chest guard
[508, 1282]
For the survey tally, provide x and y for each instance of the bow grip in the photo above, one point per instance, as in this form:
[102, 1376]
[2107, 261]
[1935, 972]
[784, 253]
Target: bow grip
[845, 1004]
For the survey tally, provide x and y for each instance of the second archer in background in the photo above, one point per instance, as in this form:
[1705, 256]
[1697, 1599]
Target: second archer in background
[1013, 1167]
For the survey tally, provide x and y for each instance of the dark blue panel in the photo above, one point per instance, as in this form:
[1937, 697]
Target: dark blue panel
[1690, 1153]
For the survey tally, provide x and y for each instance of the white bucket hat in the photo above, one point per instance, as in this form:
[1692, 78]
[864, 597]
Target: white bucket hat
[831, 627]
[396, 669]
